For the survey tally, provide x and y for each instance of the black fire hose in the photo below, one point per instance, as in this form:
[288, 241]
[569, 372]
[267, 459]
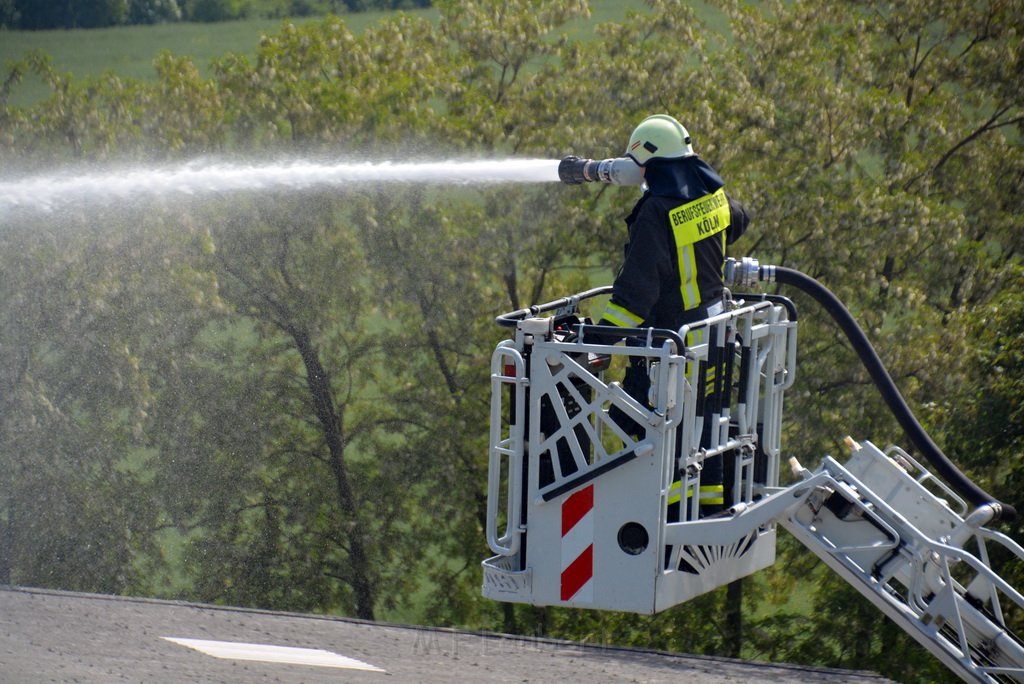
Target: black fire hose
[943, 466]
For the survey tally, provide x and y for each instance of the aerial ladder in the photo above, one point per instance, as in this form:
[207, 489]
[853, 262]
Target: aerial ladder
[586, 512]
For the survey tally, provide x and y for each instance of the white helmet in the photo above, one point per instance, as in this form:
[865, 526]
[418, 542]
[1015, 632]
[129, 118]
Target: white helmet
[659, 137]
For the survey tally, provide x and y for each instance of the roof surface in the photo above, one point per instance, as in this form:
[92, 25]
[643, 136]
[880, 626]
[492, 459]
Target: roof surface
[52, 636]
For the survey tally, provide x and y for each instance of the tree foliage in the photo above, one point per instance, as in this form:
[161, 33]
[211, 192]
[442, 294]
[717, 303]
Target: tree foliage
[280, 399]
[33, 15]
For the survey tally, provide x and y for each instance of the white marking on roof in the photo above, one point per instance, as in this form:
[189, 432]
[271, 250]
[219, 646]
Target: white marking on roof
[268, 653]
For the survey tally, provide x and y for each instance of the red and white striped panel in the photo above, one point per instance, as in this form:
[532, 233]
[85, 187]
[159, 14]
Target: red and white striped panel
[578, 546]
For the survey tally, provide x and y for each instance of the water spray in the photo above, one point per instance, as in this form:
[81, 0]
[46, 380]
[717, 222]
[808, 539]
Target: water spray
[55, 191]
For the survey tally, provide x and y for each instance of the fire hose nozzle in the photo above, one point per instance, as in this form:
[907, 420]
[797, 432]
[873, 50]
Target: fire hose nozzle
[574, 170]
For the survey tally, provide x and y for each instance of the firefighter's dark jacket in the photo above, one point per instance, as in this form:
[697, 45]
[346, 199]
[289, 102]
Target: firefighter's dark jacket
[649, 290]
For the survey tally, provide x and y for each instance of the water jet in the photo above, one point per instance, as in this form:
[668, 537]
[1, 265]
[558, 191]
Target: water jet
[49, 192]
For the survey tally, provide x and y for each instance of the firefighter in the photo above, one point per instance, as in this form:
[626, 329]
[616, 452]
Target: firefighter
[672, 272]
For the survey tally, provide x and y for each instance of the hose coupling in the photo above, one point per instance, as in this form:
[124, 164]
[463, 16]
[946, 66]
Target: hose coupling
[745, 272]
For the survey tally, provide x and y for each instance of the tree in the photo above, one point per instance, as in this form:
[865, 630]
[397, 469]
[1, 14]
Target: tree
[982, 422]
[83, 309]
[217, 10]
[39, 14]
[10, 17]
[153, 11]
[307, 493]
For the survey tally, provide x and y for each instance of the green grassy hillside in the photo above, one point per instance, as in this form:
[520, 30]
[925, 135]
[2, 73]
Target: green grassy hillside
[129, 50]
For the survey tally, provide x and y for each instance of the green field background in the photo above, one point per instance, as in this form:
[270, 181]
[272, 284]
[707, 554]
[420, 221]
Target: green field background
[129, 51]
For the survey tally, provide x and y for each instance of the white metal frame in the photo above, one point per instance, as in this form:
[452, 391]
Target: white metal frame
[632, 476]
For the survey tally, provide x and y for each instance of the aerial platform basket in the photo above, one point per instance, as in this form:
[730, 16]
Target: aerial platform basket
[594, 497]
[595, 494]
